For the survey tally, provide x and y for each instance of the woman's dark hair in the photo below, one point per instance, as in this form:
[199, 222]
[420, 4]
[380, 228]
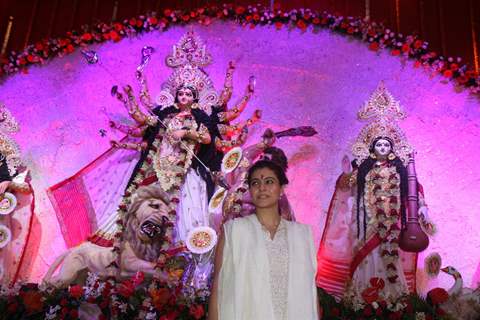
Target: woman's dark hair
[277, 156]
[364, 168]
[192, 89]
[279, 172]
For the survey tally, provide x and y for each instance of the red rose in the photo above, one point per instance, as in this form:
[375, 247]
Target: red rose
[302, 25]
[240, 10]
[76, 291]
[370, 295]
[153, 20]
[278, 25]
[406, 47]
[374, 46]
[186, 17]
[87, 36]
[104, 304]
[197, 311]
[395, 52]
[437, 295]
[397, 315]
[471, 74]
[172, 315]
[167, 12]
[378, 312]
[139, 23]
[454, 66]
[448, 73]
[39, 46]
[132, 22]
[306, 16]
[114, 36]
[316, 20]
[118, 26]
[256, 17]
[33, 301]
[417, 44]
[63, 42]
[368, 311]
[70, 48]
[126, 288]
[462, 80]
[74, 314]
[63, 302]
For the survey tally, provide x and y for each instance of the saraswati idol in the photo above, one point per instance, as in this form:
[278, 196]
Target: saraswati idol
[372, 233]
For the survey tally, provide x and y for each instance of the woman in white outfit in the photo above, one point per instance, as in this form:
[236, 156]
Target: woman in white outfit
[264, 265]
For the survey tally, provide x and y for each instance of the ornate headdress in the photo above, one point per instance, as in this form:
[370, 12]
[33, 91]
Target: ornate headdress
[187, 59]
[383, 111]
[9, 149]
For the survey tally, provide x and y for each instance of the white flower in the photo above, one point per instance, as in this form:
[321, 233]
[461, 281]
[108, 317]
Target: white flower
[375, 305]
[52, 312]
[420, 316]
[151, 315]
[123, 307]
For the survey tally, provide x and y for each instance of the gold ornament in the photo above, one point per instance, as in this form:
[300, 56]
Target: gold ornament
[383, 111]
[391, 156]
[187, 60]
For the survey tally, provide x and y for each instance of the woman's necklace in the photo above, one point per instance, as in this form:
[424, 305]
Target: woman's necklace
[273, 229]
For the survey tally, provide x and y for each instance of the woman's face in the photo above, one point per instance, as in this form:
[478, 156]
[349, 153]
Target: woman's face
[265, 189]
[185, 96]
[382, 148]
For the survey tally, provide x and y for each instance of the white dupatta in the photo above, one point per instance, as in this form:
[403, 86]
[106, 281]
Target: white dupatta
[244, 282]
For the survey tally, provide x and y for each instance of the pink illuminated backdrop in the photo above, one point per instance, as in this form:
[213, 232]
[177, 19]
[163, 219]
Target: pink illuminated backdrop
[302, 79]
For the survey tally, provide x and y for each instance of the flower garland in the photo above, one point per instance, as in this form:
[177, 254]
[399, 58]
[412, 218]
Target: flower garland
[134, 298]
[385, 190]
[376, 35]
[409, 307]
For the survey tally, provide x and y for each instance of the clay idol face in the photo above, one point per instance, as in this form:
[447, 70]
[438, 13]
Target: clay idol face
[382, 148]
[185, 96]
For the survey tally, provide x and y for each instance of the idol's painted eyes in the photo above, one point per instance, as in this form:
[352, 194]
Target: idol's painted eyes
[185, 93]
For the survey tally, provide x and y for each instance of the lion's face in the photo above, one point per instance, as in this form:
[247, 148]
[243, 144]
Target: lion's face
[152, 217]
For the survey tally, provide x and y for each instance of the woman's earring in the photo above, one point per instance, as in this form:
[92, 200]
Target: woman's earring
[391, 156]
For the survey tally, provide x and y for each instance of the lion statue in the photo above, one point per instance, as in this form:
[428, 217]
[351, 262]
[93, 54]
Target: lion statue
[145, 237]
